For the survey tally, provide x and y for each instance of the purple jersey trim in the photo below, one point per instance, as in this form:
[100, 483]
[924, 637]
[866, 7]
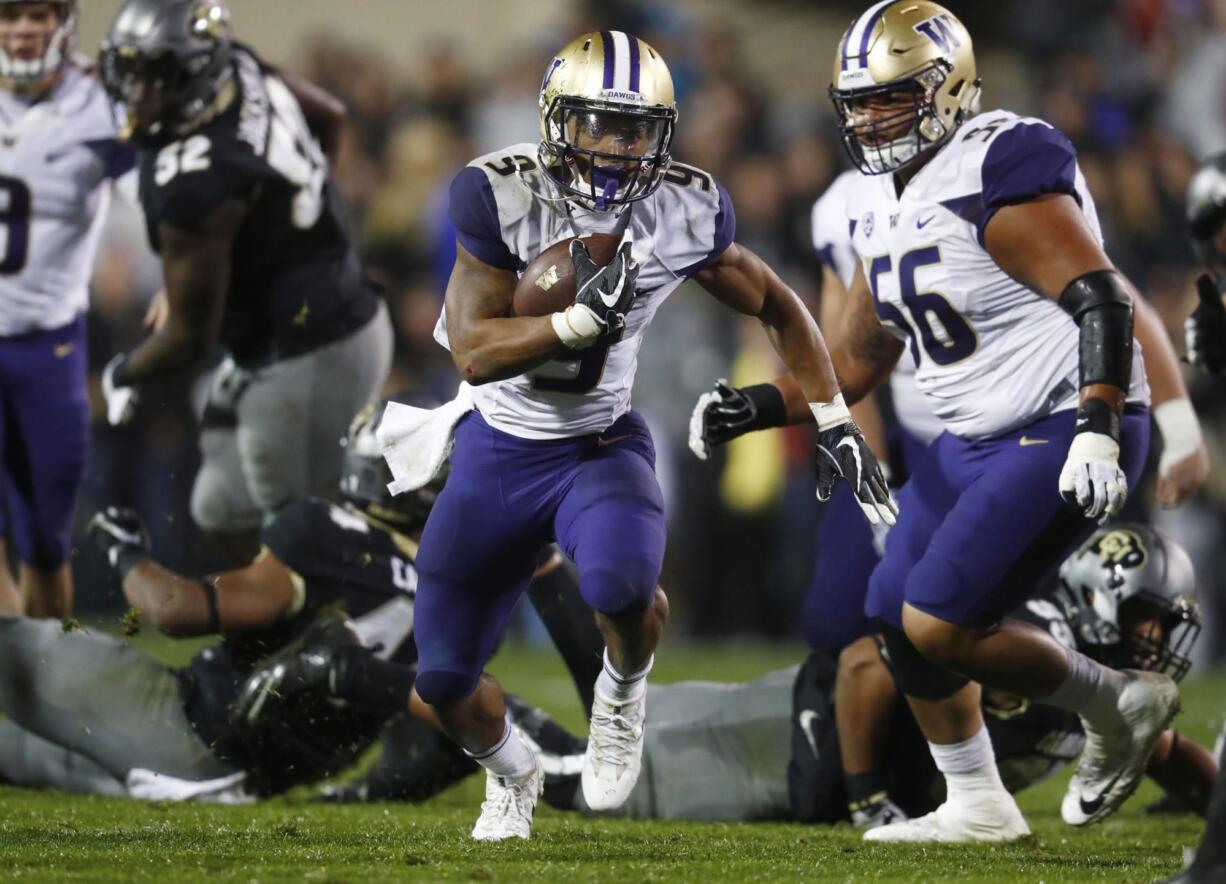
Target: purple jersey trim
[725, 233]
[118, 158]
[474, 213]
[1023, 163]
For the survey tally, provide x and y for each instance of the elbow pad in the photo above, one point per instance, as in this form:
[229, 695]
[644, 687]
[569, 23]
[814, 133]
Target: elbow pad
[1101, 306]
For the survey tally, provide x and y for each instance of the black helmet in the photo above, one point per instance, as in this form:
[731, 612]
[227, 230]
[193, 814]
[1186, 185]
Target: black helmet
[1207, 211]
[1126, 575]
[173, 53]
[365, 474]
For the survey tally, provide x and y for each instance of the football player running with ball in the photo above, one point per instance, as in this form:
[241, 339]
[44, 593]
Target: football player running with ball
[241, 205]
[61, 156]
[553, 449]
[981, 253]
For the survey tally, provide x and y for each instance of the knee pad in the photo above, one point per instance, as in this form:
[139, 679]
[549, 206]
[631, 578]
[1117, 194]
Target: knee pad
[441, 687]
[623, 591]
[916, 675]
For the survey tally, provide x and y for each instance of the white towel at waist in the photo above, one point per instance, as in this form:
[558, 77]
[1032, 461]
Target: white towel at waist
[416, 441]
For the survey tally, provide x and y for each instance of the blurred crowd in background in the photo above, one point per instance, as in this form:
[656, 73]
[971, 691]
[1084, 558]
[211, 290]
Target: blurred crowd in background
[1138, 85]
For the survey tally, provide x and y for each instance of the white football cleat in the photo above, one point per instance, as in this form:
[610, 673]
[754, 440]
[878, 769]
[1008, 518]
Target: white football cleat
[614, 751]
[994, 817]
[1113, 763]
[507, 810]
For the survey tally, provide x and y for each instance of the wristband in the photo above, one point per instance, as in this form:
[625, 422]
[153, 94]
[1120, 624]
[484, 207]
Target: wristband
[1180, 428]
[119, 371]
[769, 408]
[209, 585]
[126, 558]
[830, 414]
[1096, 416]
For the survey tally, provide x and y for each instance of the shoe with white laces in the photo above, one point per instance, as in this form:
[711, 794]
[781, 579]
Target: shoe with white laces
[508, 807]
[1113, 762]
[614, 751]
[993, 817]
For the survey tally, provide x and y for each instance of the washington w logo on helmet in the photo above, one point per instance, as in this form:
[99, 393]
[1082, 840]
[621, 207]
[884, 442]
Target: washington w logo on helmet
[941, 30]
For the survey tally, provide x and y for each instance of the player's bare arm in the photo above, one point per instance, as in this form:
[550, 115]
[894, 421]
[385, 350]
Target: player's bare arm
[233, 601]
[487, 343]
[196, 268]
[1047, 245]
[325, 113]
[864, 352]
[741, 279]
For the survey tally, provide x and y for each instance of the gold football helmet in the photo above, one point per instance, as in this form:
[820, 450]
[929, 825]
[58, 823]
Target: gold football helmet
[607, 118]
[904, 80]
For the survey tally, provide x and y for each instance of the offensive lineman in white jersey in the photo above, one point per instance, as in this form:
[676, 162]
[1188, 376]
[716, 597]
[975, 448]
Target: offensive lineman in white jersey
[833, 619]
[553, 449]
[980, 247]
[58, 156]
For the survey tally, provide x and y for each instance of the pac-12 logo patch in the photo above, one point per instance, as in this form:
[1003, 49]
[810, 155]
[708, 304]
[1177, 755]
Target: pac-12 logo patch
[867, 223]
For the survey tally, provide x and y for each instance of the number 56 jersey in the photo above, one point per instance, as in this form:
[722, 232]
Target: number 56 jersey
[505, 214]
[992, 355]
[295, 281]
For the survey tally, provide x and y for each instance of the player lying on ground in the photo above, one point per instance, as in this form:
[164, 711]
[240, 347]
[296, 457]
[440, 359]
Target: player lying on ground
[241, 205]
[720, 751]
[61, 157]
[293, 692]
[553, 449]
[833, 620]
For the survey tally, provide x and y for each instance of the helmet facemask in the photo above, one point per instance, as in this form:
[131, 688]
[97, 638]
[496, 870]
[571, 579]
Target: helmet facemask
[881, 143]
[29, 73]
[607, 154]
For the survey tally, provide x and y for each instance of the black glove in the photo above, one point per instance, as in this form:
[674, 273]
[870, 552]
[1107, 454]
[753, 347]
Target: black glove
[607, 291]
[122, 536]
[729, 412]
[842, 451]
[1205, 329]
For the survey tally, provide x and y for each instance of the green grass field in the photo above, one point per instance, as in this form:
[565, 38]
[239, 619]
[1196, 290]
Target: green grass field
[48, 837]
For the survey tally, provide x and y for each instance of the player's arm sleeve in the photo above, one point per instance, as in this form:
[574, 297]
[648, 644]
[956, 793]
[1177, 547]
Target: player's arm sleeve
[723, 232]
[474, 214]
[1024, 163]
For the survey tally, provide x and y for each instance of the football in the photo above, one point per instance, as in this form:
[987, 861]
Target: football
[548, 283]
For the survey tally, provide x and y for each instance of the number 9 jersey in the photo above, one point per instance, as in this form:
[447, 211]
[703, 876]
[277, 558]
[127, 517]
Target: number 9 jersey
[506, 212]
[295, 282]
[992, 355]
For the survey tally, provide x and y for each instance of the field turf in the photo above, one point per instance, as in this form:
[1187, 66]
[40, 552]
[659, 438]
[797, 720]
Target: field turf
[49, 837]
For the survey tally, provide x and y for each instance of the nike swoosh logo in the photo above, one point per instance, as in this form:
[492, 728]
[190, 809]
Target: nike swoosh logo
[1090, 807]
[601, 441]
[62, 350]
[1026, 441]
[806, 719]
[920, 225]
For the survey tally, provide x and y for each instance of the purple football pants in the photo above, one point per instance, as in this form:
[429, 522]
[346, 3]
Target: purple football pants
[44, 440]
[507, 497]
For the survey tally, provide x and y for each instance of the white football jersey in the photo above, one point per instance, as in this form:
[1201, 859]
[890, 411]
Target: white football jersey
[57, 159]
[991, 354]
[832, 241]
[501, 218]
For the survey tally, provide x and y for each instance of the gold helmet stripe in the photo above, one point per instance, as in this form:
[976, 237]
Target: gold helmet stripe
[855, 46]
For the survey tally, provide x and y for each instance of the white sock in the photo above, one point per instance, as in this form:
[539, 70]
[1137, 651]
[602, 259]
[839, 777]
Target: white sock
[510, 757]
[619, 688]
[1091, 690]
[969, 766]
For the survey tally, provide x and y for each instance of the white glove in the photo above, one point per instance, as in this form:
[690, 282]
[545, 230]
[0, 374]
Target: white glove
[1091, 478]
[698, 441]
[120, 401]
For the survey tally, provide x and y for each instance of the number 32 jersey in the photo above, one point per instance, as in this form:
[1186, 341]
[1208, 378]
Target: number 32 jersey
[992, 355]
[58, 157]
[502, 219]
[295, 281]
